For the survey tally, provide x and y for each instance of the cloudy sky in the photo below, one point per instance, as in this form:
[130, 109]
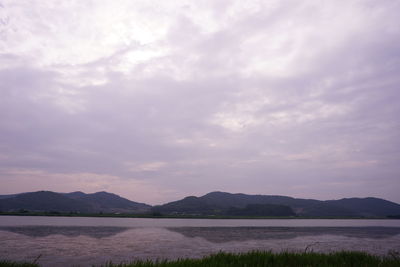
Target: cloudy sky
[157, 100]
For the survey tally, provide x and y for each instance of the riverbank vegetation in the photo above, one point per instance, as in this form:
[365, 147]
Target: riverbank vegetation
[258, 259]
[6, 263]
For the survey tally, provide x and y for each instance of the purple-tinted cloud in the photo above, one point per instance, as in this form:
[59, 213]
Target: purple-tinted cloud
[154, 104]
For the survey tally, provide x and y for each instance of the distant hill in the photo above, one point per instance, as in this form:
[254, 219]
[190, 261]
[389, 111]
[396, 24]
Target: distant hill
[7, 196]
[221, 203]
[189, 205]
[71, 202]
[108, 202]
[43, 201]
[261, 210]
[369, 206]
[214, 203]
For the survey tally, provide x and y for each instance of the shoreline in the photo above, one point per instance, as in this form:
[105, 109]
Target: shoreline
[149, 216]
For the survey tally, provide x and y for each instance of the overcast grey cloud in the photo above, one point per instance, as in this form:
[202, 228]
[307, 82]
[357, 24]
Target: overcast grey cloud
[156, 100]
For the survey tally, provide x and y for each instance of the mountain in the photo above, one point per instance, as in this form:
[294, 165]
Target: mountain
[214, 203]
[75, 195]
[189, 205]
[43, 201]
[7, 196]
[108, 202]
[219, 203]
[369, 206]
[222, 203]
[262, 210]
[71, 202]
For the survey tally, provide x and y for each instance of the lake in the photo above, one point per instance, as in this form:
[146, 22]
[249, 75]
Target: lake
[79, 241]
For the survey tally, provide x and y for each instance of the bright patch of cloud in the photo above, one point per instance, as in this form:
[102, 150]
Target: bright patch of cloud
[145, 167]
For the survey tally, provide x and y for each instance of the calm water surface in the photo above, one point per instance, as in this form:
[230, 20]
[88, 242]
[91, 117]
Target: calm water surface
[73, 241]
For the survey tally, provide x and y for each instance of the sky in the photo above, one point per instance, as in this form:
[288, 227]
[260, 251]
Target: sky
[158, 100]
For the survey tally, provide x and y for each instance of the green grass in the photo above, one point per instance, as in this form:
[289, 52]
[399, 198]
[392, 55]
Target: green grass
[258, 259]
[17, 264]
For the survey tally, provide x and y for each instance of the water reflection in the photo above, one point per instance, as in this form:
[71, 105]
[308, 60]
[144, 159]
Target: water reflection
[87, 245]
[68, 231]
[228, 234]
[212, 234]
